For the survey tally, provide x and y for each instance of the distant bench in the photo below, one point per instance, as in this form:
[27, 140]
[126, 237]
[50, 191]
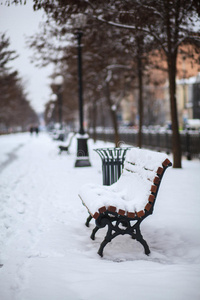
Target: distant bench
[65, 147]
[123, 205]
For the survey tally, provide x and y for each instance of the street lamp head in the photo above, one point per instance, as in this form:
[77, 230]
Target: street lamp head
[58, 80]
[80, 21]
[53, 97]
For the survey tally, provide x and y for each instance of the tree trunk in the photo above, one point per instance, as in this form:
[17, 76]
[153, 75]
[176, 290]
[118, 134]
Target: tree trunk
[103, 122]
[140, 100]
[94, 119]
[176, 142]
[171, 55]
[113, 115]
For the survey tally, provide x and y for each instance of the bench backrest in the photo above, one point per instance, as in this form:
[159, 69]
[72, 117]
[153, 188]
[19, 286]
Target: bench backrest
[70, 138]
[149, 166]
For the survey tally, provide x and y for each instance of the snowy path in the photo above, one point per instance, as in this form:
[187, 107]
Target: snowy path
[45, 248]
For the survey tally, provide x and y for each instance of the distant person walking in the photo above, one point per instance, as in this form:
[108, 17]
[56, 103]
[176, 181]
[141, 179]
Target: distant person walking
[31, 130]
[34, 129]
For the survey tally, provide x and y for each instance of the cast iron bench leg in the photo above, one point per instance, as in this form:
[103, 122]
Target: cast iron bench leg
[138, 236]
[144, 244]
[94, 232]
[88, 220]
[103, 244]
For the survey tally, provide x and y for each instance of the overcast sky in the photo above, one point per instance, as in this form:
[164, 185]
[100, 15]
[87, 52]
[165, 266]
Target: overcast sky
[18, 22]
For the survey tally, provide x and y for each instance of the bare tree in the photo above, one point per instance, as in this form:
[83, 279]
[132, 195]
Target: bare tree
[15, 110]
[101, 51]
[169, 24]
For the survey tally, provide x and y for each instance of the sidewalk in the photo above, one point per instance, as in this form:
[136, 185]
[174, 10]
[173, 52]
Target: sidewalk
[45, 248]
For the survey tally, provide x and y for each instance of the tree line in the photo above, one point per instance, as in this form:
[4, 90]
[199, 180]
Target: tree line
[124, 40]
[15, 109]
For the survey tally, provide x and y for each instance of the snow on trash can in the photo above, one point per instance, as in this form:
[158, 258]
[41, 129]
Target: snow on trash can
[112, 163]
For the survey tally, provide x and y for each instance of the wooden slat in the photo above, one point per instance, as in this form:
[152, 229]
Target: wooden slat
[160, 171]
[148, 206]
[102, 209]
[96, 215]
[131, 215]
[166, 163]
[121, 212]
[153, 188]
[156, 180]
[112, 208]
[151, 198]
[140, 213]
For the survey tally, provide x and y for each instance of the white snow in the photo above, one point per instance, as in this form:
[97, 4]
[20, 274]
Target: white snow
[46, 250]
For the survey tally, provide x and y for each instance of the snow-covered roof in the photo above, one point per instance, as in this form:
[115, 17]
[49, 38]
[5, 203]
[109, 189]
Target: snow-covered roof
[190, 80]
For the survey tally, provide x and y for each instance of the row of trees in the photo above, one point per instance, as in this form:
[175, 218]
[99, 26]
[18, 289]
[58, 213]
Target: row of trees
[15, 110]
[123, 40]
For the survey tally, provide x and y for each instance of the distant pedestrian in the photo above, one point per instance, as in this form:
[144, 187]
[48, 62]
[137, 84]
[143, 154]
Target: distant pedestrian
[36, 130]
[31, 130]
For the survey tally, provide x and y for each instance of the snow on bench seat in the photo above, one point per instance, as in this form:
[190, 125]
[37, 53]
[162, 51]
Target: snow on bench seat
[133, 193]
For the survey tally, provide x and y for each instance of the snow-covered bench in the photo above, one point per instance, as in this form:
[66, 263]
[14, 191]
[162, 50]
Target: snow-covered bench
[125, 204]
[65, 147]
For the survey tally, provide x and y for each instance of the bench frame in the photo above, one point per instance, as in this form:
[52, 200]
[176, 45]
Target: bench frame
[120, 224]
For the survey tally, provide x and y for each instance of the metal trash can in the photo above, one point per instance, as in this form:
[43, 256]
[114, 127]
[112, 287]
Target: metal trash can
[112, 163]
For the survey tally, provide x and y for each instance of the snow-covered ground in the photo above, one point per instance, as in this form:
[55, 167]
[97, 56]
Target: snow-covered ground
[45, 249]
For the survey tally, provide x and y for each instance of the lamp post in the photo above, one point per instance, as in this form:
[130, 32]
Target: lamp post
[82, 157]
[58, 81]
[53, 99]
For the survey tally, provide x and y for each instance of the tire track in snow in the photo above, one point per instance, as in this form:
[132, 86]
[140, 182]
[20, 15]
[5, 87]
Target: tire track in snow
[11, 157]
